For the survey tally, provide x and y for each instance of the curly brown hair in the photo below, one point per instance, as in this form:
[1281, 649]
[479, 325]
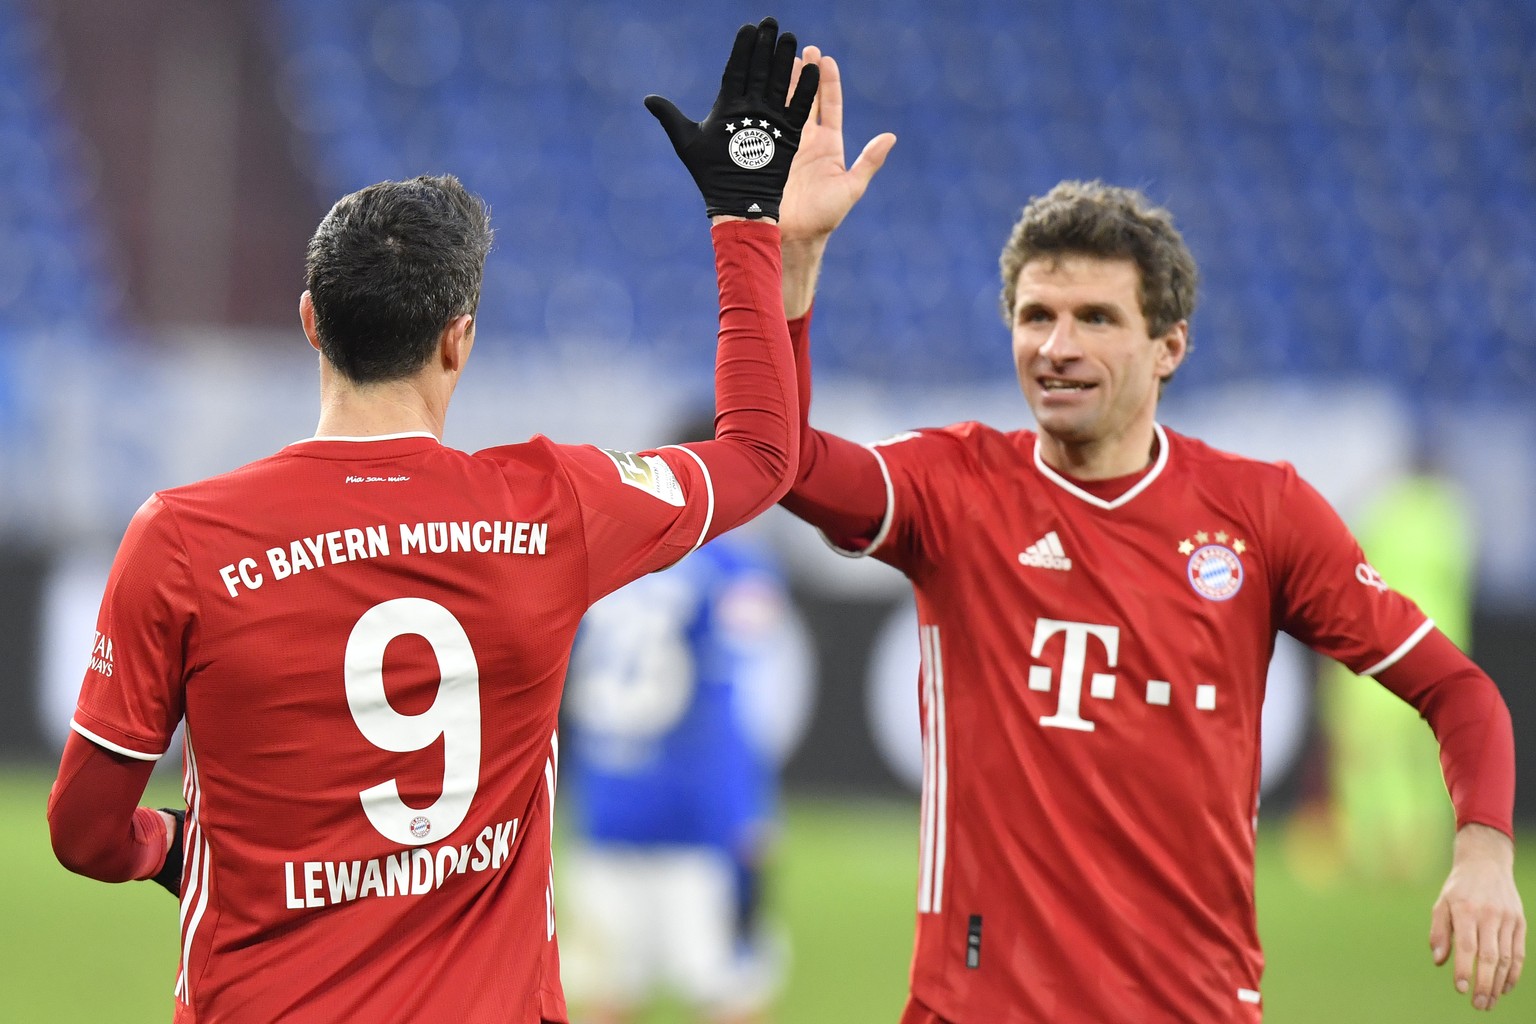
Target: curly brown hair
[1090, 218]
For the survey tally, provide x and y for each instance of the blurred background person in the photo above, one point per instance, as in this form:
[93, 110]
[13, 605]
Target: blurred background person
[1388, 799]
[685, 690]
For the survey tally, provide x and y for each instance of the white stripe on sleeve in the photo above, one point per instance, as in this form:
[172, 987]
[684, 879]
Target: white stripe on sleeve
[709, 487]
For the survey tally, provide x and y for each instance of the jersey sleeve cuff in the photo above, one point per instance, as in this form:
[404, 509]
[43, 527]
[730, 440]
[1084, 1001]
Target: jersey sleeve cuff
[102, 741]
[885, 522]
[709, 489]
[1402, 649]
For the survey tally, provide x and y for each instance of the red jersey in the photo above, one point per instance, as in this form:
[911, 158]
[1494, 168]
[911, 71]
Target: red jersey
[1093, 669]
[367, 639]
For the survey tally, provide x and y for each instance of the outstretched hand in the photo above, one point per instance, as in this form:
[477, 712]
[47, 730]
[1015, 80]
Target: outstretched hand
[821, 189]
[1479, 914]
[740, 154]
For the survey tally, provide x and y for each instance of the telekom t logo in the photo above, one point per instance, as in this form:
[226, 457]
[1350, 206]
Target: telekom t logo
[1101, 685]
[1070, 698]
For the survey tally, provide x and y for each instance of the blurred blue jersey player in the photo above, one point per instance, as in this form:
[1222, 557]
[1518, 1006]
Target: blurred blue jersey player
[686, 689]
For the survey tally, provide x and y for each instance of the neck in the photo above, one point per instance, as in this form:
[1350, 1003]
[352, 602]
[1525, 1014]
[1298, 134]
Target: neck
[1103, 458]
[369, 410]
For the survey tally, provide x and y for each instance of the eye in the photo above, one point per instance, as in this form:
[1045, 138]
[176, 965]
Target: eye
[1034, 315]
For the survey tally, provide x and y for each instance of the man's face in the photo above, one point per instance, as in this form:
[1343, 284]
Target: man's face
[1086, 364]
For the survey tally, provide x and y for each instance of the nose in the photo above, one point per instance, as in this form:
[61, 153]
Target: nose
[1061, 344]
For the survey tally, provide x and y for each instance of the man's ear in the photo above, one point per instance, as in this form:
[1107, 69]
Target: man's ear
[454, 344]
[1172, 347]
[307, 318]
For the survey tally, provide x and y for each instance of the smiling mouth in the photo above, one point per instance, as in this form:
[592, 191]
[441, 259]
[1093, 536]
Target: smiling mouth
[1065, 385]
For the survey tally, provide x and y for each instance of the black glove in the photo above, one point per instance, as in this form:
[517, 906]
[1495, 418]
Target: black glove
[170, 872]
[739, 155]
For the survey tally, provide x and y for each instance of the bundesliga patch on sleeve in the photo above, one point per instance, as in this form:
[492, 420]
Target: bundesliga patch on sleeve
[649, 473]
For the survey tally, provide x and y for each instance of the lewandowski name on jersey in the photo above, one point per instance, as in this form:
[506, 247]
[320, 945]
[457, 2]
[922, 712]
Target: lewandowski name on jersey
[316, 883]
[502, 537]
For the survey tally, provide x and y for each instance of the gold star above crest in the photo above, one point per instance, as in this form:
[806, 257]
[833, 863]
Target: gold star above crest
[1239, 546]
[1222, 536]
[1185, 547]
[1201, 537]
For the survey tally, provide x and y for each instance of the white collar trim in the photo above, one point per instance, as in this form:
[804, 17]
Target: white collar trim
[375, 437]
[1094, 499]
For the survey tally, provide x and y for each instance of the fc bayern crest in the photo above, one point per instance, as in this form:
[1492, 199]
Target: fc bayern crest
[420, 826]
[1215, 572]
[751, 148]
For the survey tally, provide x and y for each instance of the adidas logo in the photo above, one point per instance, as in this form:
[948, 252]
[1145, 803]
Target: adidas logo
[1046, 553]
[754, 208]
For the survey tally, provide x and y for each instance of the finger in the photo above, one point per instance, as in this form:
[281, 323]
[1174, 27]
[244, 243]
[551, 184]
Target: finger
[830, 94]
[1517, 955]
[762, 57]
[1440, 932]
[872, 159]
[810, 55]
[782, 68]
[1487, 961]
[1464, 950]
[680, 130]
[805, 94]
[1506, 960]
[734, 81]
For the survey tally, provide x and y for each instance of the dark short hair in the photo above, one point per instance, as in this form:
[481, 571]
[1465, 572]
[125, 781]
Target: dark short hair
[389, 267]
[1078, 218]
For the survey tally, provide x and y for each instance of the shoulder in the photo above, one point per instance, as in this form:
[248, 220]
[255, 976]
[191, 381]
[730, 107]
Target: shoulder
[538, 452]
[1208, 461]
[211, 498]
[154, 518]
[250, 474]
[968, 433]
[1272, 496]
[965, 443]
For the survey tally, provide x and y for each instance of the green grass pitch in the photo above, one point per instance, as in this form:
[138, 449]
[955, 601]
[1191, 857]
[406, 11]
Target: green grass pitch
[72, 950]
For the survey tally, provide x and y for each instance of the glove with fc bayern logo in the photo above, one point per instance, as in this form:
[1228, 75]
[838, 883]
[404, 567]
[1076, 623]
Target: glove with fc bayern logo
[739, 154]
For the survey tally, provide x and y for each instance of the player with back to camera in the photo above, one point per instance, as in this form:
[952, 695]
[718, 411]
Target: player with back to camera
[367, 632]
[1098, 601]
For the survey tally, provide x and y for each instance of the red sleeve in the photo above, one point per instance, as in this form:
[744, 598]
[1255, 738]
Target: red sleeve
[131, 698]
[1327, 594]
[751, 461]
[1470, 719]
[93, 818]
[839, 489]
[643, 511]
[1334, 601]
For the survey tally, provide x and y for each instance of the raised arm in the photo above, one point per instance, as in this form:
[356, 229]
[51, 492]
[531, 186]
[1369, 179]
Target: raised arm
[740, 156]
[839, 488]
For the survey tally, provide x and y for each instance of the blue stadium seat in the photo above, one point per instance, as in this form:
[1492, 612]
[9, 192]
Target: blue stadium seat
[51, 276]
[1356, 175]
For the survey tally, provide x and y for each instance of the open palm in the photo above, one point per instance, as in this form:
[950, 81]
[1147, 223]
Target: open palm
[821, 189]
